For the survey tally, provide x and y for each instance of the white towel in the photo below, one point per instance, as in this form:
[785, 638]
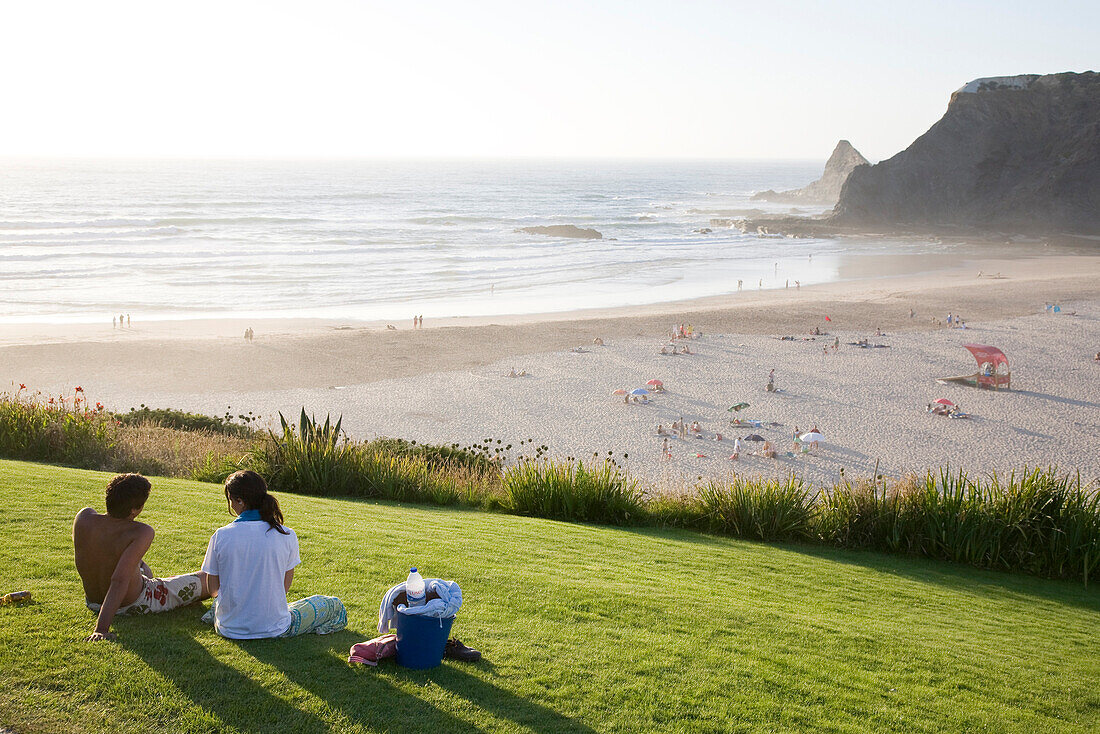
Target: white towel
[447, 605]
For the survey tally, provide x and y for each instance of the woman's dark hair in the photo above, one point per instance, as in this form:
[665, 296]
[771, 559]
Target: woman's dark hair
[250, 488]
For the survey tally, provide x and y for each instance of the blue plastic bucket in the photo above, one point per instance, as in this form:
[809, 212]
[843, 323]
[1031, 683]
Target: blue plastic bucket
[421, 640]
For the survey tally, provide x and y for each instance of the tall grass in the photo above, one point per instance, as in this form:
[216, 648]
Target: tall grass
[1036, 521]
[58, 429]
[316, 458]
[761, 509]
[572, 490]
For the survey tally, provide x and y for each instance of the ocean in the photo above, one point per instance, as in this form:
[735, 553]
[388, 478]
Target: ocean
[383, 240]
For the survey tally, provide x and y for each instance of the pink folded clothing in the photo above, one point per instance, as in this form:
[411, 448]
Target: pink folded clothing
[371, 651]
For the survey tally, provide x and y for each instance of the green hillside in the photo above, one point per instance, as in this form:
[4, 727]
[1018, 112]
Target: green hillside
[584, 629]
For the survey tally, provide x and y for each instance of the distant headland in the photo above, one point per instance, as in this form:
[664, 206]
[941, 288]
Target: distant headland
[1012, 155]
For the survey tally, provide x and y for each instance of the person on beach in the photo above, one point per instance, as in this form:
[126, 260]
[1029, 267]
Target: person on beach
[739, 284]
[250, 566]
[109, 558]
[127, 321]
[798, 285]
[114, 322]
[771, 381]
[665, 453]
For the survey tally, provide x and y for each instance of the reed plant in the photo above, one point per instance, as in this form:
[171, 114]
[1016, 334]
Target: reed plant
[572, 490]
[761, 509]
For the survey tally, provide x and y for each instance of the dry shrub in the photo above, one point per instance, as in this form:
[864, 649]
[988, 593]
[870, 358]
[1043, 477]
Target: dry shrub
[152, 449]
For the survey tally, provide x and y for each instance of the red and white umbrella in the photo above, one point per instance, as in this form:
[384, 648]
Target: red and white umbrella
[655, 383]
[620, 391]
[944, 401]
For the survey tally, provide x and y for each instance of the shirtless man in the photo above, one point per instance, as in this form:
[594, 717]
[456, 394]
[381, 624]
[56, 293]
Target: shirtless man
[109, 551]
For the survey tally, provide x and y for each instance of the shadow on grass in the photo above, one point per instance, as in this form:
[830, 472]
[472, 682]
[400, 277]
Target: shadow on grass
[955, 576]
[237, 700]
[376, 696]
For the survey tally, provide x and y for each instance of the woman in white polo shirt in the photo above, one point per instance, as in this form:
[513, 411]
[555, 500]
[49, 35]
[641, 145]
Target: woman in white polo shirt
[251, 563]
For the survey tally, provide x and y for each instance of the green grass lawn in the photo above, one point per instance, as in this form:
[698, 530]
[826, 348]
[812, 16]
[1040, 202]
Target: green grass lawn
[583, 628]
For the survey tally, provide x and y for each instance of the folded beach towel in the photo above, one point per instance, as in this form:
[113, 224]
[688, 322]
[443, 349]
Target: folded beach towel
[371, 651]
[447, 605]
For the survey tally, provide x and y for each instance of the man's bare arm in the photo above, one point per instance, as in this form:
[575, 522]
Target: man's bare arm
[120, 580]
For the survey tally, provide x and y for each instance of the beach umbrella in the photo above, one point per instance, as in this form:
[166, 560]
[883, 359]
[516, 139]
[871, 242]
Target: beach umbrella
[812, 437]
[640, 391]
[655, 383]
[754, 437]
[739, 406]
[620, 391]
[944, 401]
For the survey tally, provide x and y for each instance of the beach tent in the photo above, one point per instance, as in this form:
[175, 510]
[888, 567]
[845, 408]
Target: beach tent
[993, 372]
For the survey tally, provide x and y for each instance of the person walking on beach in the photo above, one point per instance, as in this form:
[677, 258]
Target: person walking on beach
[761, 283]
[738, 284]
[114, 322]
[798, 285]
[127, 321]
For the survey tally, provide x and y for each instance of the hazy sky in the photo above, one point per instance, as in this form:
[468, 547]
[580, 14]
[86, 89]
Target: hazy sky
[589, 78]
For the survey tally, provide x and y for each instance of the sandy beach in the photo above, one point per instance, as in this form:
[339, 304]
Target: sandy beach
[448, 382]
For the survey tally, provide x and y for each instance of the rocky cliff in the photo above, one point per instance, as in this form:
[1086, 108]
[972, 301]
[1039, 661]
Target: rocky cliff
[1019, 154]
[825, 190]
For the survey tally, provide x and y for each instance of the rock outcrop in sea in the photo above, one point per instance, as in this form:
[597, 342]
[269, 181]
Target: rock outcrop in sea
[1011, 154]
[825, 190]
[564, 230]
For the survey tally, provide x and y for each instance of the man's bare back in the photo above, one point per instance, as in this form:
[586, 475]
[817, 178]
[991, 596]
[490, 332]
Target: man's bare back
[100, 541]
[109, 557]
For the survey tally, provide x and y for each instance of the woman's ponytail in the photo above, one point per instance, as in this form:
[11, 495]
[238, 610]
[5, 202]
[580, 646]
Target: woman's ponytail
[270, 512]
[250, 488]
